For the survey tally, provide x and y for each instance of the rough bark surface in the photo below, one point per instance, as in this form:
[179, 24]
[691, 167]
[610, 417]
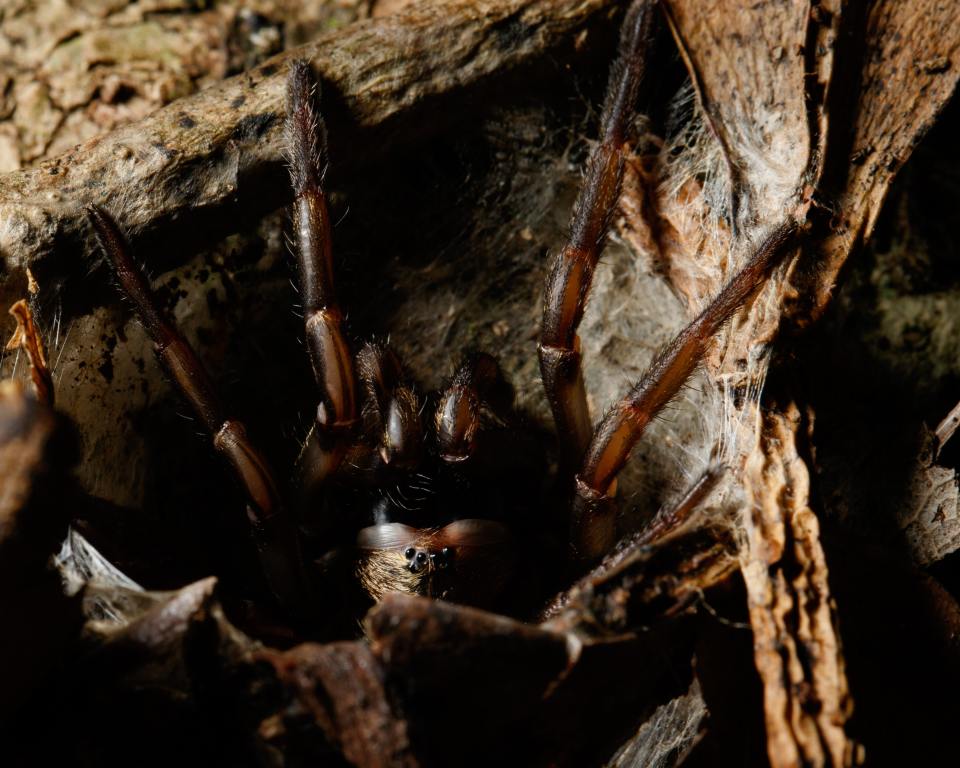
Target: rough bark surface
[216, 149]
[792, 612]
[779, 97]
[338, 690]
[910, 55]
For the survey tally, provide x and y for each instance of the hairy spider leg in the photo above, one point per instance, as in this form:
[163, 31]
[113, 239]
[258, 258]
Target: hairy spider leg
[478, 383]
[337, 412]
[568, 283]
[669, 518]
[273, 531]
[594, 524]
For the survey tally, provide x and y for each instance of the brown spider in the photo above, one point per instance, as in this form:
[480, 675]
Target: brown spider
[447, 499]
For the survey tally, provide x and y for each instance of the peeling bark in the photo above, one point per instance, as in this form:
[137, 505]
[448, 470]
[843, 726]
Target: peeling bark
[336, 698]
[797, 646]
[640, 583]
[783, 95]
[909, 57]
[200, 157]
[930, 515]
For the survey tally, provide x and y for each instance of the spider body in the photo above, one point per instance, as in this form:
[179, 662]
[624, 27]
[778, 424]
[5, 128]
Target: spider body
[469, 560]
[460, 539]
[448, 493]
[424, 483]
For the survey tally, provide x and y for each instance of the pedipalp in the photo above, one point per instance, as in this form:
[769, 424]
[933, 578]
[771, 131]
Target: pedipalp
[478, 383]
[391, 407]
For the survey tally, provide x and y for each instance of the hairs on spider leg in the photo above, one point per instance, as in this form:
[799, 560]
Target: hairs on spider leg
[343, 216]
[570, 276]
[691, 453]
[617, 434]
[16, 364]
[306, 131]
[56, 364]
[702, 600]
[692, 153]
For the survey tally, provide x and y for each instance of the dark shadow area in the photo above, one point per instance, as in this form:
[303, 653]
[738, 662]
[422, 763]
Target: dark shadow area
[875, 373]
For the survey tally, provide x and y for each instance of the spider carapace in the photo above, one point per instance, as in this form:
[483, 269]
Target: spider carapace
[452, 487]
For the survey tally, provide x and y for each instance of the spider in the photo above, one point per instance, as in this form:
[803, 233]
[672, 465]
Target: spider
[447, 487]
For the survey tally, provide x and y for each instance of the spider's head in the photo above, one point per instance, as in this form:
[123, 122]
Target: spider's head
[425, 559]
[467, 561]
[381, 571]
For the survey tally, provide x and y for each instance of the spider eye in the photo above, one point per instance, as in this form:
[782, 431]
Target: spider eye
[421, 558]
[409, 552]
